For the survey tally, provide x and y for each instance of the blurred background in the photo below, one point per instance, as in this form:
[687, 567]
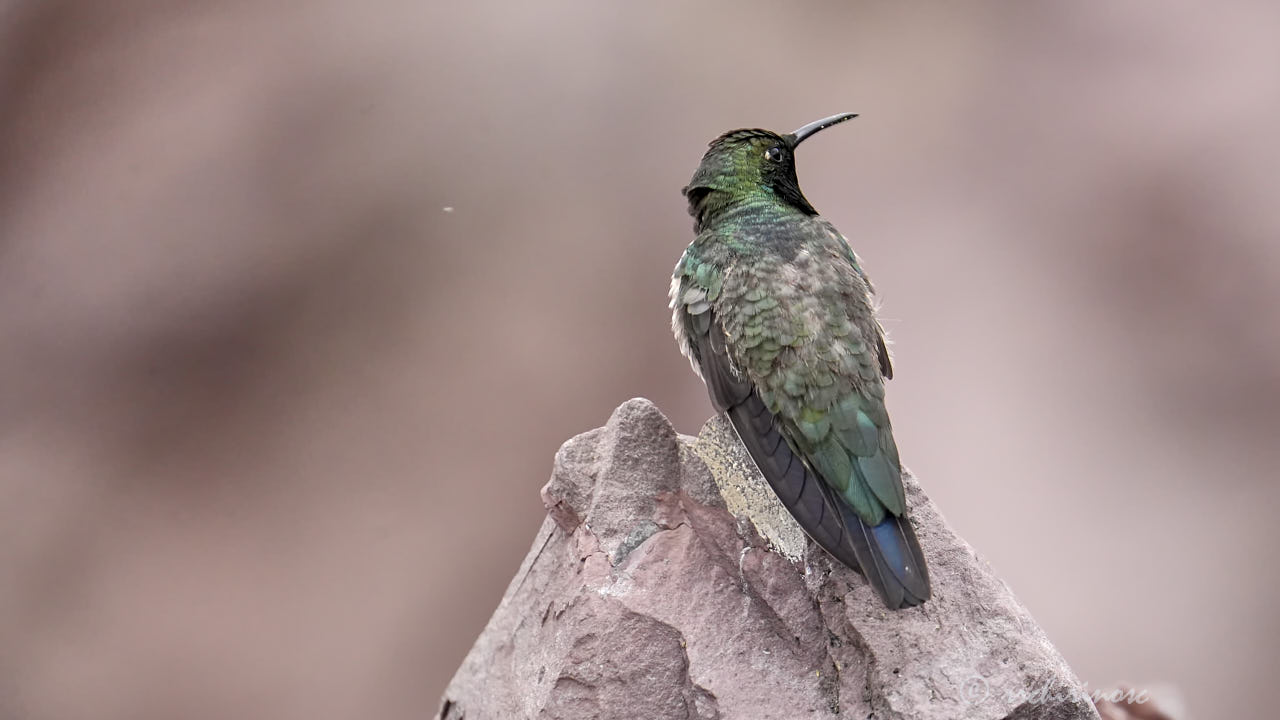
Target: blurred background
[297, 301]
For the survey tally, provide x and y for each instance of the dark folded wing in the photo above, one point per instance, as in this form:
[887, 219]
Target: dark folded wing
[888, 554]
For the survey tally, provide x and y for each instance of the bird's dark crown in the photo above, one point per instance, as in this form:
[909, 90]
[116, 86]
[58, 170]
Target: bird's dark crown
[745, 134]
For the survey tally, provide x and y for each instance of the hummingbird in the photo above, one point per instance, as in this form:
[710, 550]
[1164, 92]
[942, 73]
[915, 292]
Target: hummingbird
[776, 315]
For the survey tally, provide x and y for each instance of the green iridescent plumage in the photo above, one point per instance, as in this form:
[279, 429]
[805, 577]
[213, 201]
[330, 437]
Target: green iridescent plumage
[773, 308]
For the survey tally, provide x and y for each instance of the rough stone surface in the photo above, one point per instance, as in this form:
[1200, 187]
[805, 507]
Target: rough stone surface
[643, 596]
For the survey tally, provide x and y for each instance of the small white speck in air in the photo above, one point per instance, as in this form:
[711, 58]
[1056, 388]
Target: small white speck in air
[448, 208]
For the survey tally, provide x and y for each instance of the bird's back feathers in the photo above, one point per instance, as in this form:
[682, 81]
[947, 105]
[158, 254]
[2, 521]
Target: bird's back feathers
[777, 316]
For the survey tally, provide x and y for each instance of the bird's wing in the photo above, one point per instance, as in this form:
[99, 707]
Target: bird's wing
[886, 551]
[803, 332]
[809, 500]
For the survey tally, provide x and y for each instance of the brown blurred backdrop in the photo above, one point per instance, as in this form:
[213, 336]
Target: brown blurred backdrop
[297, 300]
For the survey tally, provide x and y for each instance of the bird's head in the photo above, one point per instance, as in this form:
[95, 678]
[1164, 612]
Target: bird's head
[744, 164]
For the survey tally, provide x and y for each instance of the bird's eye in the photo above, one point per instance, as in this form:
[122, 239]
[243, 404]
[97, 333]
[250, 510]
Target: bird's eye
[773, 154]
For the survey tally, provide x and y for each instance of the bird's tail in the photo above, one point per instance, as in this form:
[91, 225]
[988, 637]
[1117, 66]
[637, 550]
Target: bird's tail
[888, 554]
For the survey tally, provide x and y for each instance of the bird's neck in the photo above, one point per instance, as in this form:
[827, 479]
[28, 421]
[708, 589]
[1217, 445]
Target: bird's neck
[715, 207]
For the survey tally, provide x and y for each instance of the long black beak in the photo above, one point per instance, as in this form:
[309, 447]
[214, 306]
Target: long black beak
[799, 136]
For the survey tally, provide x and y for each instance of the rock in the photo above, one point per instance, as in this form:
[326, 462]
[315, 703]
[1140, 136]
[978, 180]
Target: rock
[654, 590]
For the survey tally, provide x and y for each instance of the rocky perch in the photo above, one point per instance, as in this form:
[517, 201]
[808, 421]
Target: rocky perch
[668, 582]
